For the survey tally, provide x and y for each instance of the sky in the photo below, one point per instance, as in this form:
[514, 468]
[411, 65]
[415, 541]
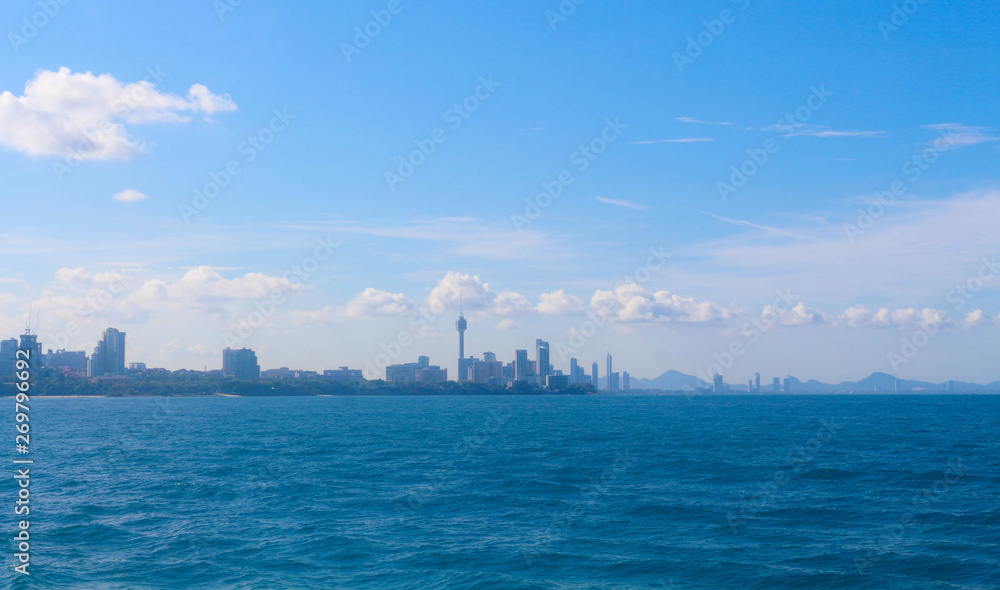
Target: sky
[732, 186]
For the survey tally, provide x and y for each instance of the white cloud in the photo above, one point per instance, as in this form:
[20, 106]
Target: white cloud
[858, 316]
[508, 324]
[799, 315]
[321, 317]
[129, 196]
[372, 302]
[623, 203]
[559, 303]
[955, 135]
[631, 303]
[62, 113]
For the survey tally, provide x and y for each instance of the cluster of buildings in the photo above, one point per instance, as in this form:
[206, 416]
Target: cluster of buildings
[107, 361]
[753, 385]
[489, 370]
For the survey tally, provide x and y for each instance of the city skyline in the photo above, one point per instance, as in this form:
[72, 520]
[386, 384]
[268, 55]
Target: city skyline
[188, 185]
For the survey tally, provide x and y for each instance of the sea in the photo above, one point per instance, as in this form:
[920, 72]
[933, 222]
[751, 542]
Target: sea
[494, 492]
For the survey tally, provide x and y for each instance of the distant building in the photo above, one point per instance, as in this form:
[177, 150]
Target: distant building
[420, 371]
[488, 370]
[573, 366]
[556, 382]
[522, 368]
[610, 388]
[717, 385]
[69, 360]
[137, 367]
[433, 374]
[593, 374]
[626, 381]
[108, 359]
[343, 374]
[756, 379]
[776, 385]
[614, 381]
[788, 385]
[750, 386]
[240, 364]
[542, 358]
[8, 353]
[30, 343]
[463, 363]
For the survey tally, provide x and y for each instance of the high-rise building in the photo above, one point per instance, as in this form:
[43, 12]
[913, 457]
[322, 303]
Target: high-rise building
[776, 384]
[750, 386]
[30, 343]
[542, 358]
[488, 370]
[240, 364]
[717, 384]
[108, 358]
[593, 375]
[8, 360]
[756, 379]
[463, 363]
[788, 385]
[574, 366]
[522, 368]
[70, 360]
[343, 374]
[613, 380]
[626, 381]
[609, 373]
[464, 367]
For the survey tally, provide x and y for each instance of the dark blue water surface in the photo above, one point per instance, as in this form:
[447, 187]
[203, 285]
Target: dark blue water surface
[512, 492]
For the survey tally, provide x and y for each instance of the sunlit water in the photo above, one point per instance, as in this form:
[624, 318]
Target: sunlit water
[512, 492]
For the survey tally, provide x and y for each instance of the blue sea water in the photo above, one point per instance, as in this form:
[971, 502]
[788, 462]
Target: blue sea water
[773, 492]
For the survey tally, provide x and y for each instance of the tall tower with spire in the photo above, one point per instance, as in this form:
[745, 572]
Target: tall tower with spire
[463, 363]
[461, 325]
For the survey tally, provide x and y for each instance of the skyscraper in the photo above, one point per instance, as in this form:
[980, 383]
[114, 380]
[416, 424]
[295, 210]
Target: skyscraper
[609, 372]
[574, 367]
[240, 364]
[30, 343]
[109, 355]
[463, 363]
[522, 368]
[756, 379]
[593, 374]
[717, 384]
[776, 384]
[626, 381]
[8, 352]
[542, 358]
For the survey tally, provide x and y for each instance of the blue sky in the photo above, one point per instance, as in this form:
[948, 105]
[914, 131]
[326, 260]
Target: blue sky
[546, 87]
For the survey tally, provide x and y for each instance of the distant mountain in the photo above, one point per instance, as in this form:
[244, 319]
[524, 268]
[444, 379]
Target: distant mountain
[876, 382]
[670, 381]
